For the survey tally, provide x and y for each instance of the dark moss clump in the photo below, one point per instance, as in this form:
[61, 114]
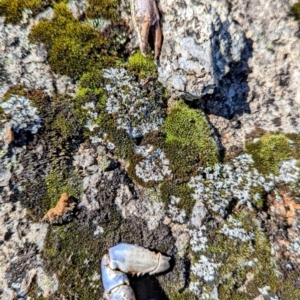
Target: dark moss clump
[168, 188]
[269, 151]
[296, 10]
[13, 9]
[48, 159]
[107, 9]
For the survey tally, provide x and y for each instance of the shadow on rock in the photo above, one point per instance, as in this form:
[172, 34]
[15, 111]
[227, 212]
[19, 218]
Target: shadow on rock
[230, 96]
[147, 287]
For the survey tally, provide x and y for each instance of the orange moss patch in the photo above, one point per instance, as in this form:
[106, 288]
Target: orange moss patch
[62, 207]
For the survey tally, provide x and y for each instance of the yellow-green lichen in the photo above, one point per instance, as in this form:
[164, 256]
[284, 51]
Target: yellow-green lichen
[269, 151]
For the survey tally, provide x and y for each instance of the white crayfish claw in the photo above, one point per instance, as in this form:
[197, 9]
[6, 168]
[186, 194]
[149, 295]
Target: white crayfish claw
[116, 283]
[137, 260]
[126, 258]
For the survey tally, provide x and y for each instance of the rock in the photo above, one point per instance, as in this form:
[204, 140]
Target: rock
[201, 41]
[235, 62]
[5, 176]
[77, 8]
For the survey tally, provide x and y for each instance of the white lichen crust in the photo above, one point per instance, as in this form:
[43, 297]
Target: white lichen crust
[134, 112]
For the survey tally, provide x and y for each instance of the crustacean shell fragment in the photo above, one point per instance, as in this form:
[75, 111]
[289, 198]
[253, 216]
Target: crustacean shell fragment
[126, 258]
[116, 283]
[137, 260]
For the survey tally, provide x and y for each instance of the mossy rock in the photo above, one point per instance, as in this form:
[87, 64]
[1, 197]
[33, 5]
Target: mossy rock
[142, 66]
[107, 9]
[188, 127]
[75, 47]
[189, 142]
[13, 9]
[233, 255]
[269, 151]
[182, 191]
[69, 43]
[295, 10]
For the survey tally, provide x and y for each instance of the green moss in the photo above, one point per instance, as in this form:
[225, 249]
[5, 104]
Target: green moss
[188, 144]
[290, 287]
[71, 45]
[232, 254]
[74, 47]
[74, 265]
[13, 9]
[168, 188]
[61, 181]
[269, 151]
[189, 128]
[295, 9]
[142, 66]
[185, 295]
[107, 9]
[92, 79]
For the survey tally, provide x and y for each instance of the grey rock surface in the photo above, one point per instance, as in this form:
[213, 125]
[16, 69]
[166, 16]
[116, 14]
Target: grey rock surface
[26, 64]
[201, 42]
[238, 59]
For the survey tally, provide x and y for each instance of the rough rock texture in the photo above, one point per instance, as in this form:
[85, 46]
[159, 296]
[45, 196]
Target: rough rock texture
[232, 229]
[239, 58]
[201, 42]
[26, 64]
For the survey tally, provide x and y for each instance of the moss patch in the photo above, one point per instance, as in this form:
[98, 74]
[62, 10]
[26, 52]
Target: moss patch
[295, 9]
[189, 128]
[70, 44]
[74, 47]
[143, 66]
[245, 266]
[103, 8]
[13, 9]
[269, 151]
[168, 188]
